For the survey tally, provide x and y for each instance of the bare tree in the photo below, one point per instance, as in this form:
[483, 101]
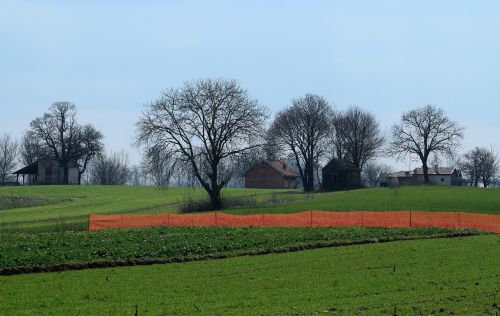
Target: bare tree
[137, 177]
[160, 165]
[425, 131]
[480, 165]
[30, 149]
[87, 146]
[206, 122]
[302, 130]
[111, 170]
[8, 155]
[357, 136]
[63, 139]
[372, 171]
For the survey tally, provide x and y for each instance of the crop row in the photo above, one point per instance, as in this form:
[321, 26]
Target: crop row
[31, 250]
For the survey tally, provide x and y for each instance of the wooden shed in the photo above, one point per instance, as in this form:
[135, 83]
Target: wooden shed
[340, 174]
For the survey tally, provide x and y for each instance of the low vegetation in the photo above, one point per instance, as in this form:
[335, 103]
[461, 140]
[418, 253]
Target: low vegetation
[25, 252]
[12, 202]
[70, 205]
[447, 276]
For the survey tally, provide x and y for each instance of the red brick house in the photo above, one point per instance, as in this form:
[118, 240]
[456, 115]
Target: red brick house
[271, 174]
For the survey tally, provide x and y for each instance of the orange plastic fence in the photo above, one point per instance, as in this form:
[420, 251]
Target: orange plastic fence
[486, 222]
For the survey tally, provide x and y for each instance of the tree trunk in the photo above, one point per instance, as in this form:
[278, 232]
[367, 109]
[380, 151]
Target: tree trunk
[66, 174]
[426, 173]
[215, 200]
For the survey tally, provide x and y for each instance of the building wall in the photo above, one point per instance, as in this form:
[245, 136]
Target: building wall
[437, 179]
[50, 172]
[340, 179]
[264, 178]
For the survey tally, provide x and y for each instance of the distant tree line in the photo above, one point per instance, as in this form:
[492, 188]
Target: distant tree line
[207, 133]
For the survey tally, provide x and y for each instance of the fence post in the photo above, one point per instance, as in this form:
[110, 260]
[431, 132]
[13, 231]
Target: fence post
[411, 224]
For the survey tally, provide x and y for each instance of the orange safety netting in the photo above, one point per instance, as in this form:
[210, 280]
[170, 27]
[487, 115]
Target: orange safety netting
[486, 222]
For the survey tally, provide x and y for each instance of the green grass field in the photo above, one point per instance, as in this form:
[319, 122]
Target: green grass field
[448, 276]
[66, 207]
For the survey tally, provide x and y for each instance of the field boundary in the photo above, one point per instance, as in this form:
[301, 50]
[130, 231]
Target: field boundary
[220, 255]
[312, 218]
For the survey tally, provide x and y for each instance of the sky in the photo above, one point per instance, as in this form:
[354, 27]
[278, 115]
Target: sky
[110, 58]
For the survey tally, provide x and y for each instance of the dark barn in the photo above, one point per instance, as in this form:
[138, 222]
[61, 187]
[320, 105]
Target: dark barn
[341, 174]
[271, 174]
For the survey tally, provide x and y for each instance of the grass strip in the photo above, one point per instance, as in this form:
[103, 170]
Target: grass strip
[113, 248]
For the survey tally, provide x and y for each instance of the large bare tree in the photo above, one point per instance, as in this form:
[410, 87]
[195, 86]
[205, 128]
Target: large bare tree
[424, 131]
[357, 135]
[205, 122]
[480, 165]
[302, 130]
[63, 139]
[8, 155]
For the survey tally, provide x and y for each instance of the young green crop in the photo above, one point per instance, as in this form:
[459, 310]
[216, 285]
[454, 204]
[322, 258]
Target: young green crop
[27, 249]
[446, 276]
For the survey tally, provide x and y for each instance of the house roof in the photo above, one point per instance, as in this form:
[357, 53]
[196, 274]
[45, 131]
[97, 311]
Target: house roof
[432, 170]
[340, 163]
[282, 168]
[277, 165]
[29, 169]
[419, 171]
[399, 174]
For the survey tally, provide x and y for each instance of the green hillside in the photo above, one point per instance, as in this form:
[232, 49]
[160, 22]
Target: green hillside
[66, 207]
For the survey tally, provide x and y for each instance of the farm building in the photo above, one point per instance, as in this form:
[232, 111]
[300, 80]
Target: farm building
[271, 174]
[47, 171]
[437, 176]
[341, 174]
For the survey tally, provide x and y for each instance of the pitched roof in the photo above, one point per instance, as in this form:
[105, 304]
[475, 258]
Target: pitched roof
[399, 174]
[282, 168]
[420, 171]
[432, 170]
[340, 163]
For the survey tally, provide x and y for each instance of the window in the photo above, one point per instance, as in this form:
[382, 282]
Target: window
[48, 171]
[442, 179]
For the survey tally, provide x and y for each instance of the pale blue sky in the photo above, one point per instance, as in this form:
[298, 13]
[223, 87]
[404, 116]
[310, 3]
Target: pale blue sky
[111, 57]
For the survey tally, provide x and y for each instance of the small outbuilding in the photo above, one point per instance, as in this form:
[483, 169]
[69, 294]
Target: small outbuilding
[47, 171]
[340, 174]
[271, 174]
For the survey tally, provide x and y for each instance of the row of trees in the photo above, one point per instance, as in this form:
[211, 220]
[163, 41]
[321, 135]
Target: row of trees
[208, 131]
[215, 127]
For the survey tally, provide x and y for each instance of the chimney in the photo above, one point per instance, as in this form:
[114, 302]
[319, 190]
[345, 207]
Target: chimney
[436, 169]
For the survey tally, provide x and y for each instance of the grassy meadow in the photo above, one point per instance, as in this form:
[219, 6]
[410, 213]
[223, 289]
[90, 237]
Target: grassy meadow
[54, 208]
[446, 276]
